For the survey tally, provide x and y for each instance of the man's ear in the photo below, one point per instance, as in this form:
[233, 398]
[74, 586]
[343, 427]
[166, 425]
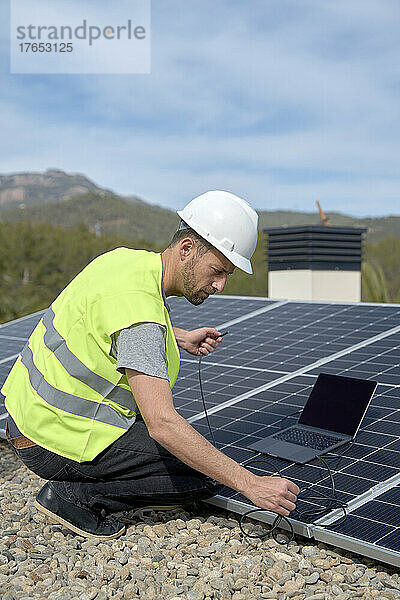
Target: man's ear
[186, 248]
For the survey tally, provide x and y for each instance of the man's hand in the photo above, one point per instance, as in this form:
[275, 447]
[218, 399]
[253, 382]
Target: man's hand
[154, 399]
[199, 342]
[273, 493]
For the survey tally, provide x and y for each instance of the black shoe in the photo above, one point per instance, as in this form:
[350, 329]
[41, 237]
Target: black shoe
[82, 521]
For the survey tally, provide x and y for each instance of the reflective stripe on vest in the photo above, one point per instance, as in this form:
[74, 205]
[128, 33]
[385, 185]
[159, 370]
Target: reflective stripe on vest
[77, 369]
[68, 402]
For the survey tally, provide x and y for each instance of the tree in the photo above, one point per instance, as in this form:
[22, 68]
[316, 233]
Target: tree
[374, 286]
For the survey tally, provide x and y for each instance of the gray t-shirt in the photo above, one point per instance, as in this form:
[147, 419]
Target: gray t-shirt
[141, 347]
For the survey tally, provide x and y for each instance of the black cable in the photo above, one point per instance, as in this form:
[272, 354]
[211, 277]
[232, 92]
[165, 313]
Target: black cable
[339, 455]
[332, 502]
[204, 405]
[203, 400]
[263, 460]
[336, 503]
[329, 503]
[327, 467]
[272, 531]
[278, 519]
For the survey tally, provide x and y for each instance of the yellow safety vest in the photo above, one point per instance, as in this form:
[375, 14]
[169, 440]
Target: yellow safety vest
[64, 391]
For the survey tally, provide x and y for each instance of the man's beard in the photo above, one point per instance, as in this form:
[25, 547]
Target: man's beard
[189, 284]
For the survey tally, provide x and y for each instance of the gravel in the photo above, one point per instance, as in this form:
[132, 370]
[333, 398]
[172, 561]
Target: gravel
[176, 555]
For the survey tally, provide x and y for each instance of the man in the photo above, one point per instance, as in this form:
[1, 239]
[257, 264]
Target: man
[90, 400]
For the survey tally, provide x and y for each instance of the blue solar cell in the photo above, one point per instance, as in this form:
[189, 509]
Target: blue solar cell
[392, 496]
[385, 426]
[10, 347]
[381, 512]
[21, 327]
[356, 450]
[370, 471]
[391, 541]
[394, 445]
[214, 312]
[385, 457]
[362, 529]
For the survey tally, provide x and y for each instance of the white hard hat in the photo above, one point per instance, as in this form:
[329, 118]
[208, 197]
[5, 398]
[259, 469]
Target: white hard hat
[227, 222]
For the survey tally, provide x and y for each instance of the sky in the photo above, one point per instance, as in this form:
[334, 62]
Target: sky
[283, 102]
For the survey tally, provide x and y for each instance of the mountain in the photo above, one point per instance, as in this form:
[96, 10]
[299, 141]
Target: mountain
[67, 199]
[53, 185]
[104, 214]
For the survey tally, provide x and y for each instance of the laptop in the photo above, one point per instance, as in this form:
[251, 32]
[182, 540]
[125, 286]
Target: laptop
[331, 418]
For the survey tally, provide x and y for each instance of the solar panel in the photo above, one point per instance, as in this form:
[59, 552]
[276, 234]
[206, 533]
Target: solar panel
[22, 327]
[10, 347]
[220, 384]
[375, 525]
[293, 335]
[212, 312]
[263, 373]
[290, 345]
[378, 360]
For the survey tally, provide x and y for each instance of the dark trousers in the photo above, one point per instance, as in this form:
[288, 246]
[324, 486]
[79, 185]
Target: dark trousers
[134, 471]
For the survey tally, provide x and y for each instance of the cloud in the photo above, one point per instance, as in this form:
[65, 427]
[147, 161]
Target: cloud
[281, 102]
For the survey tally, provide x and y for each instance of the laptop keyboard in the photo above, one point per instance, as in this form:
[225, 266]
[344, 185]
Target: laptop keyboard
[310, 439]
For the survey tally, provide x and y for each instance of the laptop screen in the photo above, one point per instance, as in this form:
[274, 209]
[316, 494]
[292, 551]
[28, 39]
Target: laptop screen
[337, 403]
